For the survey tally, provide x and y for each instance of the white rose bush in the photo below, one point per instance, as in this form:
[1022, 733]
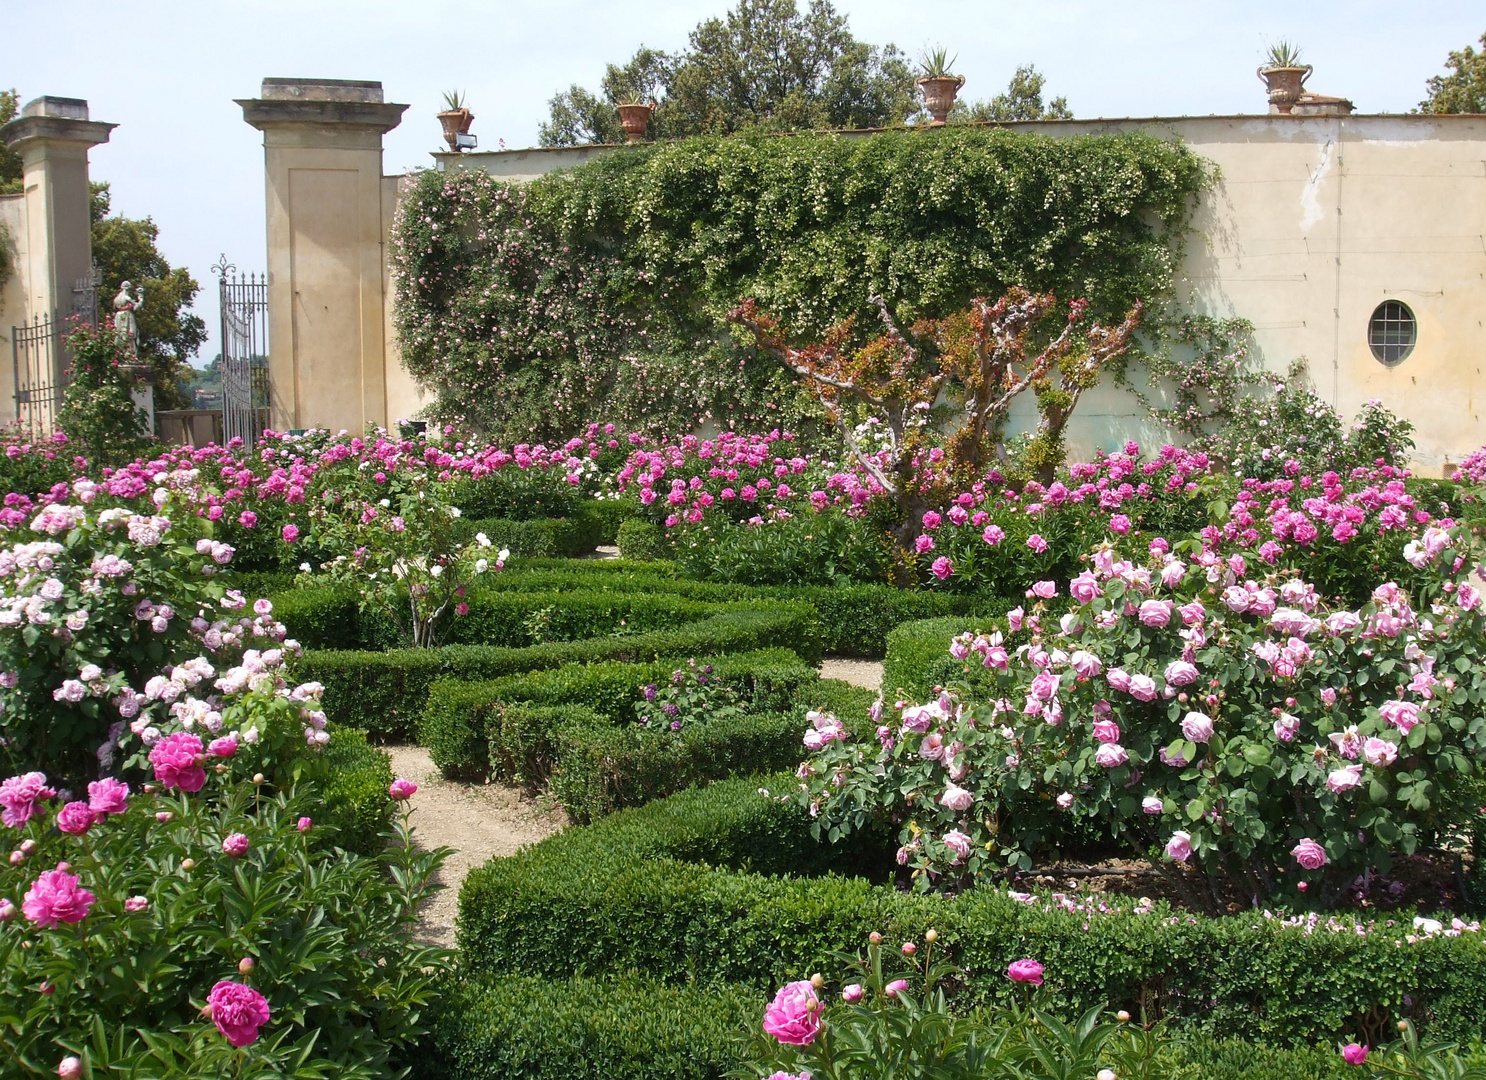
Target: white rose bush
[1213, 713]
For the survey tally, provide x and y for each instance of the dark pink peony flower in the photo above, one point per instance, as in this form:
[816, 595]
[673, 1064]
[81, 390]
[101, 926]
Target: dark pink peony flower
[402, 788]
[238, 1011]
[1025, 971]
[75, 818]
[19, 796]
[793, 1016]
[176, 763]
[108, 796]
[235, 845]
[56, 898]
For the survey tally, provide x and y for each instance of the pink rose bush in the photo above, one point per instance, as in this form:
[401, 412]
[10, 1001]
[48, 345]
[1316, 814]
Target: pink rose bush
[1224, 722]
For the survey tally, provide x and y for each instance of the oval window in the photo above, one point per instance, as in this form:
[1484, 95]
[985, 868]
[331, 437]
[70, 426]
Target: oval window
[1392, 332]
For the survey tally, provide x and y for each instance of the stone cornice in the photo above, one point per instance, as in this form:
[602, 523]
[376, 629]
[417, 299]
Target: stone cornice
[58, 128]
[265, 113]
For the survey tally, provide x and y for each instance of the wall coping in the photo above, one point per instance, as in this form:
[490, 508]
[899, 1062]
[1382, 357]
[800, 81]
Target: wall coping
[55, 128]
[264, 113]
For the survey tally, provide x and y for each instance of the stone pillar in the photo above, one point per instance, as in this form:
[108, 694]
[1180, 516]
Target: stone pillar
[322, 145]
[53, 136]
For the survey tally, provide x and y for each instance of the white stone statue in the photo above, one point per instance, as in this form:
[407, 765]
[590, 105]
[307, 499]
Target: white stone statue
[125, 306]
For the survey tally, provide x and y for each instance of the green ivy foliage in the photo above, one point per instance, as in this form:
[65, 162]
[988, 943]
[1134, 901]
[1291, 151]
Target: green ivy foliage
[600, 291]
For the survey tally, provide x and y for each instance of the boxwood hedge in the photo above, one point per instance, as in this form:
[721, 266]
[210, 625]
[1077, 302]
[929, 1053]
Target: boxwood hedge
[723, 885]
[383, 692]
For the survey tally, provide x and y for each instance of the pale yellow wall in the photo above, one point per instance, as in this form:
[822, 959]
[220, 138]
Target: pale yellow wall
[13, 307]
[1313, 223]
[404, 398]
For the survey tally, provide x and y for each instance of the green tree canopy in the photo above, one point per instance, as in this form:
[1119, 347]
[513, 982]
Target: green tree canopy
[765, 64]
[1022, 100]
[1463, 90]
[169, 334]
[10, 161]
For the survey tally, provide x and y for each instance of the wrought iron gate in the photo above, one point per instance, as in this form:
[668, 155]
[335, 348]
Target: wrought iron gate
[40, 367]
[244, 362]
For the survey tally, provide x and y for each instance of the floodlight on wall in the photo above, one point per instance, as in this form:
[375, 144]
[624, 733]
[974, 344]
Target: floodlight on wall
[465, 141]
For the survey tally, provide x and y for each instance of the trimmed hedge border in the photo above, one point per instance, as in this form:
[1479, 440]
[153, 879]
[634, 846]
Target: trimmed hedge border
[511, 726]
[636, 1028]
[383, 693]
[681, 889]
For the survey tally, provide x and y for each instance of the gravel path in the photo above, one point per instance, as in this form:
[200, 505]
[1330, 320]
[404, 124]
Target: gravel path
[476, 820]
[866, 673]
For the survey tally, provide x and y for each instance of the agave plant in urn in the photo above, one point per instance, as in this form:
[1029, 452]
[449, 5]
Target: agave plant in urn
[456, 118]
[1284, 76]
[938, 85]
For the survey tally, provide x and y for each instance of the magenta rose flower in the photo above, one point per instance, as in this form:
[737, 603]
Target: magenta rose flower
[238, 1011]
[1353, 1054]
[1309, 854]
[942, 568]
[1025, 971]
[75, 818]
[402, 788]
[108, 796]
[19, 796]
[235, 845]
[57, 897]
[1106, 731]
[793, 1016]
[175, 759]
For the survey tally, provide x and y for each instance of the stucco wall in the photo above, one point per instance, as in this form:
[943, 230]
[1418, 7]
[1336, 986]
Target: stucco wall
[13, 308]
[1311, 224]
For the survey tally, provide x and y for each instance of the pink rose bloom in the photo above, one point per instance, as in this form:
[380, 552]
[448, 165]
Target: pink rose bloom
[1110, 755]
[896, 987]
[1286, 727]
[1341, 622]
[956, 797]
[1344, 779]
[1198, 727]
[1237, 598]
[1172, 573]
[1118, 678]
[958, 843]
[1085, 664]
[19, 796]
[1142, 687]
[290, 533]
[108, 796]
[1468, 597]
[75, 818]
[1014, 618]
[1045, 589]
[942, 568]
[793, 1016]
[1025, 971]
[1037, 543]
[1179, 847]
[1180, 673]
[1106, 731]
[306, 824]
[1379, 752]
[238, 1011]
[1044, 686]
[235, 845]
[1064, 800]
[1309, 854]
[1084, 588]
[993, 535]
[1353, 1054]
[1193, 614]
[1151, 805]
[402, 789]
[1328, 697]
[1403, 715]
[1156, 613]
[224, 747]
[175, 760]
[56, 898]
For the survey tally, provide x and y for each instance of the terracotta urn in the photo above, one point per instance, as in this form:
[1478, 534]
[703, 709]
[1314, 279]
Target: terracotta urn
[456, 122]
[939, 95]
[634, 118]
[1285, 85]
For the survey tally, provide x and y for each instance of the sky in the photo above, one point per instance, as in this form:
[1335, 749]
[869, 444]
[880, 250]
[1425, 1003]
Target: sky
[167, 73]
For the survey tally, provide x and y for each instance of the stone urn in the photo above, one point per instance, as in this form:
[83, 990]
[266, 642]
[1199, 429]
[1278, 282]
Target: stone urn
[939, 95]
[456, 122]
[634, 117]
[1285, 85]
